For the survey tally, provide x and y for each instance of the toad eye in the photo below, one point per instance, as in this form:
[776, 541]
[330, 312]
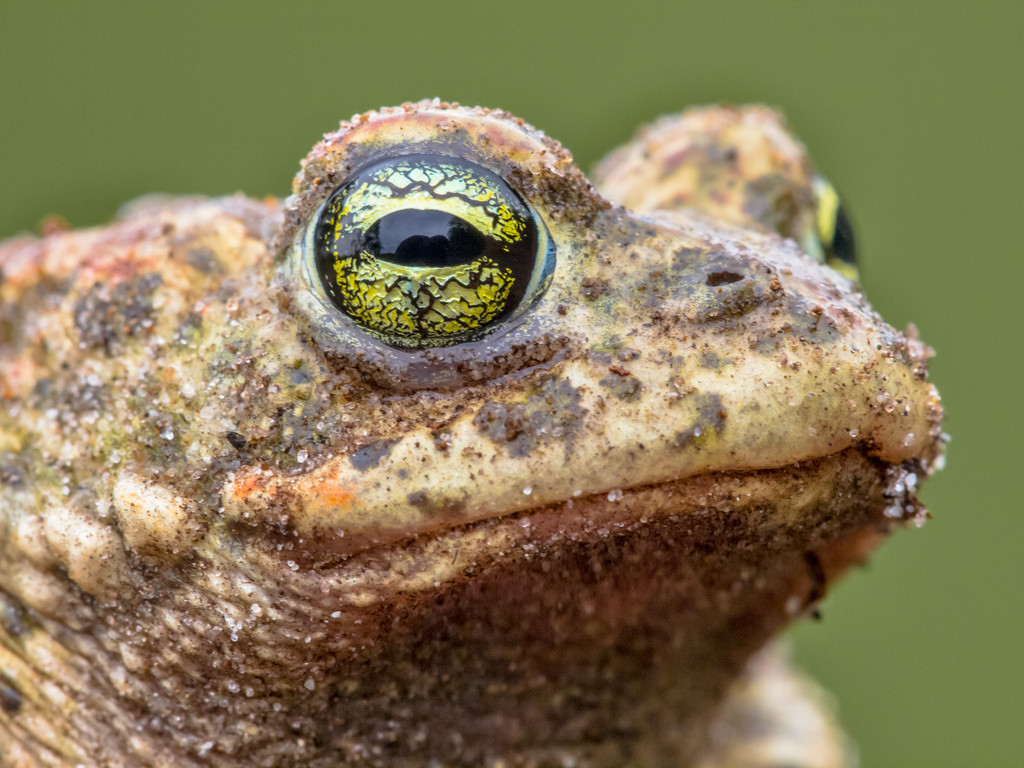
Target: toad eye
[834, 230]
[430, 251]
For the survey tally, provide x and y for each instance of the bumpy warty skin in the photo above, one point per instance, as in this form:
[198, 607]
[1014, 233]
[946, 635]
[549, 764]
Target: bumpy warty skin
[235, 529]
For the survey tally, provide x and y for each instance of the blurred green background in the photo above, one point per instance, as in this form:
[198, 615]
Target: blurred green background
[914, 109]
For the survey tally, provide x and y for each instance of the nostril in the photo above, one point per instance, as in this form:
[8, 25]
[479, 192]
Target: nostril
[720, 278]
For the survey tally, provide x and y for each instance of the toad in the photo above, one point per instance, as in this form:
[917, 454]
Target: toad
[451, 458]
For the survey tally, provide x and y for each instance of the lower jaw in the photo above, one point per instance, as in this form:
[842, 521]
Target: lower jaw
[604, 632]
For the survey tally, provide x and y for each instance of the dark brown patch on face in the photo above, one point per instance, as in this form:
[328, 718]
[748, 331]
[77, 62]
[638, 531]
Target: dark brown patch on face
[685, 257]
[736, 303]
[594, 287]
[625, 388]
[500, 422]
[711, 418]
[802, 320]
[712, 360]
[553, 413]
[430, 507]
[812, 321]
[370, 456]
[105, 316]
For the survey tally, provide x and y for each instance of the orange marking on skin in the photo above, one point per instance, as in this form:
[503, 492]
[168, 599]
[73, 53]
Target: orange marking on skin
[333, 493]
[252, 485]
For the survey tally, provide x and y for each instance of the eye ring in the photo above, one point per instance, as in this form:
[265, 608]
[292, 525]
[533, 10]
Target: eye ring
[430, 250]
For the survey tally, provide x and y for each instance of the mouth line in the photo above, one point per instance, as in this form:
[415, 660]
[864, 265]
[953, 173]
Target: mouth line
[779, 499]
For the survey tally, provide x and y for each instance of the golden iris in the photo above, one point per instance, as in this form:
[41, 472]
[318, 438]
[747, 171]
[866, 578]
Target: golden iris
[428, 250]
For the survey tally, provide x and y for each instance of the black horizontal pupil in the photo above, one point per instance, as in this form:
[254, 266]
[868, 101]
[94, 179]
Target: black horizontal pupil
[842, 246]
[424, 238]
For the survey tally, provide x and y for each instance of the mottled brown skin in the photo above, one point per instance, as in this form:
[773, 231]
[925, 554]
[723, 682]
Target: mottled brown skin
[236, 530]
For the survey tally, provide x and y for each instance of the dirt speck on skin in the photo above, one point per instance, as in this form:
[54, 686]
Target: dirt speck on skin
[551, 414]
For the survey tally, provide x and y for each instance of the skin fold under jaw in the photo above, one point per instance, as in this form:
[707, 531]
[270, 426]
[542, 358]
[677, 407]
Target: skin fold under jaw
[251, 516]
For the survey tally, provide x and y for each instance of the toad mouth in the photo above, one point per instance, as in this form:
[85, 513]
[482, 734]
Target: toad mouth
[323, 525]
